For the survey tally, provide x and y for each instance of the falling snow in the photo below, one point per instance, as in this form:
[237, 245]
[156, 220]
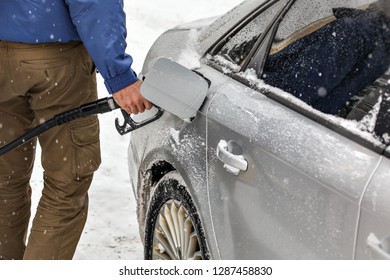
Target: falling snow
[111, 231]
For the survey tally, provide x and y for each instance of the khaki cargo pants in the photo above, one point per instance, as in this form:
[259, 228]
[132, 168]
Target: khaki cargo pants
[36, 83]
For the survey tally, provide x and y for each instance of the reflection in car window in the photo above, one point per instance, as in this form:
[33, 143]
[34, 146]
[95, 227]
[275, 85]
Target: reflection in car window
[306, 12]
[303, 19]
[335, 64]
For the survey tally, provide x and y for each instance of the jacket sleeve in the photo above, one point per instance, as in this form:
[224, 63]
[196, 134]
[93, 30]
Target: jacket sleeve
[101, 26]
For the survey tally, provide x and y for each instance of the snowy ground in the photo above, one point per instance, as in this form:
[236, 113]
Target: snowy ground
[111, 232]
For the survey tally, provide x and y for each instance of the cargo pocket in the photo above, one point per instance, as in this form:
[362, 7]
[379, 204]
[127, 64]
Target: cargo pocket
[85, 136]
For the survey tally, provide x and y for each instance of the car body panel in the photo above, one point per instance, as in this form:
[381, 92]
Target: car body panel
[310, 192]
[177, 44]
[294, 201]
[183, 145]
[375, 216]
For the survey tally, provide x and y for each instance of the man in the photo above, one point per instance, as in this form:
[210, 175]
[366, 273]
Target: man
[48, 53]
[326, 68]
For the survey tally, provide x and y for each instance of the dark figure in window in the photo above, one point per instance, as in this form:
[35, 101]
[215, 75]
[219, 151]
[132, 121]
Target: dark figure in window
[326, 68]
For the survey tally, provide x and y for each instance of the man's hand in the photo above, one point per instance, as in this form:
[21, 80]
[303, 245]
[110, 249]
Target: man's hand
[131, 100]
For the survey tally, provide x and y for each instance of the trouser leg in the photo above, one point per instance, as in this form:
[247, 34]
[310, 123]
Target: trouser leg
[15, 172]
[69, 158]
[56, 78]
[70, 155]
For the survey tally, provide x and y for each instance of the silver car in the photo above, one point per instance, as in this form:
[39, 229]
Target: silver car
[257, 173]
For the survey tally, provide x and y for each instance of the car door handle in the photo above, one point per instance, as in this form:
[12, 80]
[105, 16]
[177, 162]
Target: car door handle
[380, 248]
[232, 163]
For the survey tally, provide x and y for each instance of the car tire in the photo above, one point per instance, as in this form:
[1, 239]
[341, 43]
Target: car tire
[173, 229]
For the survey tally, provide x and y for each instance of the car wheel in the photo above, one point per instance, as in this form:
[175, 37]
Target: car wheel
[173, 229]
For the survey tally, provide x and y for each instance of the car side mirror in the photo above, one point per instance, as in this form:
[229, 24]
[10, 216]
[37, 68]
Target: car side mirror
[175, 88]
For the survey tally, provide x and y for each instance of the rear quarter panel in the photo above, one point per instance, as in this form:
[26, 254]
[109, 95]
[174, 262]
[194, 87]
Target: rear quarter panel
[375, 213]
[181, 144]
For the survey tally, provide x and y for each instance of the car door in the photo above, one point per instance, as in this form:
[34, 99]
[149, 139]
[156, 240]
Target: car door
[281, 185]
[299, 196]
[374, 226]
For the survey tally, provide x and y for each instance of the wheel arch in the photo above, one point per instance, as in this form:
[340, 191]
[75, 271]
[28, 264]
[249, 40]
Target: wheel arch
[155, 166]
[172, 187]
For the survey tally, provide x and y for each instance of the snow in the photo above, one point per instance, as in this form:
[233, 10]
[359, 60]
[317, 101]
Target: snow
[111, 232]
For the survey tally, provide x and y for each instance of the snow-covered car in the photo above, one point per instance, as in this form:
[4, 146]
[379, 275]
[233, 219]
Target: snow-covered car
[259, 174]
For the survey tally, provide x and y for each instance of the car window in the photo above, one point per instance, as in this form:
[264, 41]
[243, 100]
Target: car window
[306, 13]
[240, 44]
[365, 106]
[304, 18]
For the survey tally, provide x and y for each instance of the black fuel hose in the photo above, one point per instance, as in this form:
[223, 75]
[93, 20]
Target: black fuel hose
[100, 106]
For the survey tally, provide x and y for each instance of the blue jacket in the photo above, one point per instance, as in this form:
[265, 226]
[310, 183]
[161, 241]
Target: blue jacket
[99, 24]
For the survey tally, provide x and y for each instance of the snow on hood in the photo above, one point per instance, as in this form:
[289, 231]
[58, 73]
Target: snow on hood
[197, 24]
